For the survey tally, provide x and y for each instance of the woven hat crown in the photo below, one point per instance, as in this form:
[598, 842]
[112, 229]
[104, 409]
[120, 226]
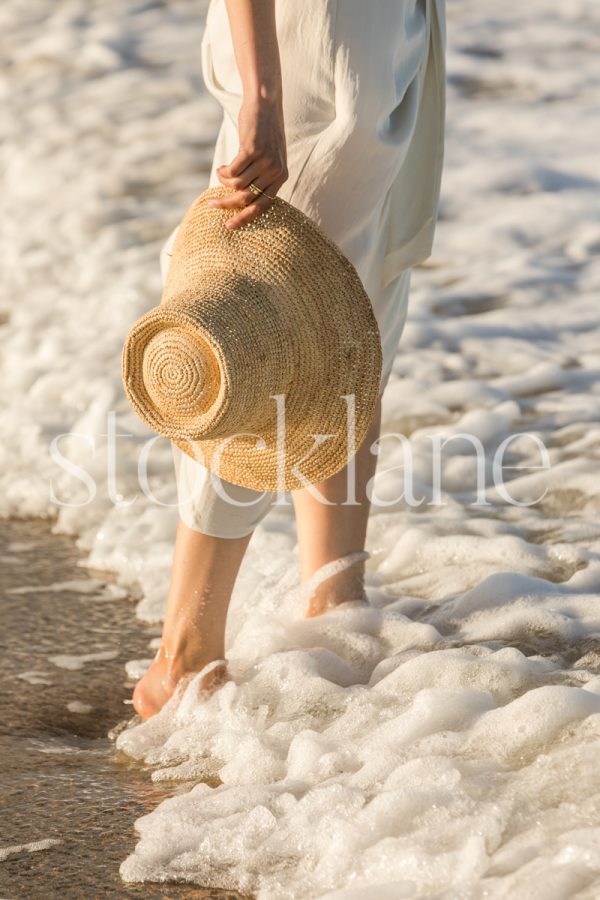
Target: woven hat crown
[206, 368]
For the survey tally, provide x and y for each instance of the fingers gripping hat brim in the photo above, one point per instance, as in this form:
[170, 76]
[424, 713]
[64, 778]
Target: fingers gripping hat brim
[263, 360]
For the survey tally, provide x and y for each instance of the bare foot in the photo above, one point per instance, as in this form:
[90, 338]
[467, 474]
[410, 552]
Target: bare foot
[159, 682]
[343, 587]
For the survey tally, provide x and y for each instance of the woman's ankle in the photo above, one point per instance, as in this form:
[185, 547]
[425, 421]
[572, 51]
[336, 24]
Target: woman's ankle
[181, 655]
[342, 587]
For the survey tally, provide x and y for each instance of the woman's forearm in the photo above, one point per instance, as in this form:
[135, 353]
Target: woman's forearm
[260, 167]
[254, 36]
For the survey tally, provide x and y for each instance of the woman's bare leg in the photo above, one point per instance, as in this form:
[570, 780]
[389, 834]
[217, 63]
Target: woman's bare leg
[203, 575]
[205, 569]
[327, 532]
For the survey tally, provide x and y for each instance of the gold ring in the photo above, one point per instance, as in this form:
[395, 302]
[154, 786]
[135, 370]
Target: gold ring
[254, 189]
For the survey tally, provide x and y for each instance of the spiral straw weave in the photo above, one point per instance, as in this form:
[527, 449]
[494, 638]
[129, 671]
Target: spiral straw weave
[272, 308]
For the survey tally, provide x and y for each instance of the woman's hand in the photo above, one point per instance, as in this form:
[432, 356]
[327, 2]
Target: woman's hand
[261, 160]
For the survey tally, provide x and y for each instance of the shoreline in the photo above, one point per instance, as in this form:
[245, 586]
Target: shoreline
[71, 797]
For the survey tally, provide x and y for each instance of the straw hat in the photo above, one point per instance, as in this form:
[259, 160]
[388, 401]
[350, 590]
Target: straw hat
[270, 309]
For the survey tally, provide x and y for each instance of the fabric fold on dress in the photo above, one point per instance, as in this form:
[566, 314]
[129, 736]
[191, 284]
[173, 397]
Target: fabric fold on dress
[364, 94]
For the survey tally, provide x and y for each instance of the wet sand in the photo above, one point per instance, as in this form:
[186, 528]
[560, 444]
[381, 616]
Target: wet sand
[63, 782]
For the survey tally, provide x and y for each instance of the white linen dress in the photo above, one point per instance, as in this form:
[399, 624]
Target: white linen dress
[364, 97]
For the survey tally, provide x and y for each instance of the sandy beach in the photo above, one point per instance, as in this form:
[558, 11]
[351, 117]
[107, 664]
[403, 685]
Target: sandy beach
[441, 742]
